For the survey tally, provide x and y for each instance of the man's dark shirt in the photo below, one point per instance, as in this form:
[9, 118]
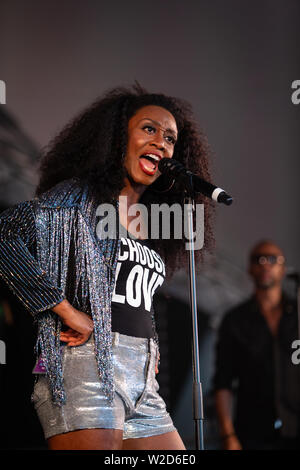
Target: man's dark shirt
[267, 382]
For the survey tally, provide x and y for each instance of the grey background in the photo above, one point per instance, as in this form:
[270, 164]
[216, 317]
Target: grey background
[234, 61]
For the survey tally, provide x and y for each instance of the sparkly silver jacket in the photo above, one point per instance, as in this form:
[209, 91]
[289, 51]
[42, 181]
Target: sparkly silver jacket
[49, 251]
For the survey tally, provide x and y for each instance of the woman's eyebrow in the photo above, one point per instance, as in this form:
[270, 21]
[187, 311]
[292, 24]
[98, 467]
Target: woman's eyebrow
[159, 125]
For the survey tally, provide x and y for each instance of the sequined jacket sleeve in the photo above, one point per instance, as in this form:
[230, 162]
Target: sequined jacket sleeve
[18, 266]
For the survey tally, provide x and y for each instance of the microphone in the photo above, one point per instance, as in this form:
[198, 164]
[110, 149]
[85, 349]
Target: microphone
[176, 170]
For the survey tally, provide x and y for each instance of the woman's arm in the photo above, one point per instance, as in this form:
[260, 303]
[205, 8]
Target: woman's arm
[28, 281]
[18, 267]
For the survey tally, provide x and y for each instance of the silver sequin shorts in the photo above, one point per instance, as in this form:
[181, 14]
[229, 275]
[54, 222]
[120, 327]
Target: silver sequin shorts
[137, 409]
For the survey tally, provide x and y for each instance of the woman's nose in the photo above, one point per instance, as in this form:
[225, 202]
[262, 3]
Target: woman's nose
[158, 140]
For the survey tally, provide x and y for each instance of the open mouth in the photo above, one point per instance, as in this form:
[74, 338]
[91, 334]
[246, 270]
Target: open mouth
[149, 163]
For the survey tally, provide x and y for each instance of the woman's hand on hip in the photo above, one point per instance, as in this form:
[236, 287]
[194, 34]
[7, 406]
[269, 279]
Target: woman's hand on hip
[74, 338]
[80, 329]
[80, 324]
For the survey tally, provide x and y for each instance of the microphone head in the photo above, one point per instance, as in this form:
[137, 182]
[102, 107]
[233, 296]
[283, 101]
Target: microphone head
[171, 167]
[164, 165]
[170, 171]
[225, 198]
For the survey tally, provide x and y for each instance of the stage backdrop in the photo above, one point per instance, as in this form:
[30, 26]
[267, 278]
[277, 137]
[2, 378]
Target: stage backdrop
[235, 61]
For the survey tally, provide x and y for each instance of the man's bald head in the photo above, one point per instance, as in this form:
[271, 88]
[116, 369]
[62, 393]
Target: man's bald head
[266, 246]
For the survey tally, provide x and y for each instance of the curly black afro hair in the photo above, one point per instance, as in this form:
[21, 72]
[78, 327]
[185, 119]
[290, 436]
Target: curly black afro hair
[92, 146]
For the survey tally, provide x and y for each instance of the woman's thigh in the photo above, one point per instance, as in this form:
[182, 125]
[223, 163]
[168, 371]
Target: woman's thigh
[167, 441]
[87, 439]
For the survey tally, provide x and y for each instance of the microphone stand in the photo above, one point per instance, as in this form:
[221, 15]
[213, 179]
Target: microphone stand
[191, 185]
[198, 415]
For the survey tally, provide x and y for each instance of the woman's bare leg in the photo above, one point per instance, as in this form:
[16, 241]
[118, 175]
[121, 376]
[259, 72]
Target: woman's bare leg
[167, 441]
[87, 439]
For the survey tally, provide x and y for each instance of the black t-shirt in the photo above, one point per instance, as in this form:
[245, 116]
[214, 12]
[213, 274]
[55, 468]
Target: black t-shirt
[140, 272]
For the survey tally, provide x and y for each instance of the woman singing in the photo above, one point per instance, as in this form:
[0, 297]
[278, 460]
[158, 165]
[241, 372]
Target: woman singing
[91, 295]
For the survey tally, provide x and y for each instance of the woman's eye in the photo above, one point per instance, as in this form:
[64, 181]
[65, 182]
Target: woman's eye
[149, 128]
[171, 139]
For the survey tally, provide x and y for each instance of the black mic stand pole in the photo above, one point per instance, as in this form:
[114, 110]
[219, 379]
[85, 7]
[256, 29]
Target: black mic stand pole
[198, 415]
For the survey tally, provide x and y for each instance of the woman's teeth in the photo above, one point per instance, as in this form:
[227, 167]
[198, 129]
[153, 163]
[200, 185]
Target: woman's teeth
[152, 156]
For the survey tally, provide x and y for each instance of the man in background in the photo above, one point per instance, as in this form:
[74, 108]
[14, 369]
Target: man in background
[254, 369]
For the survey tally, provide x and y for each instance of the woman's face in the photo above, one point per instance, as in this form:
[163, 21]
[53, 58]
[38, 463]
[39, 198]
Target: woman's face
[152, 134]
